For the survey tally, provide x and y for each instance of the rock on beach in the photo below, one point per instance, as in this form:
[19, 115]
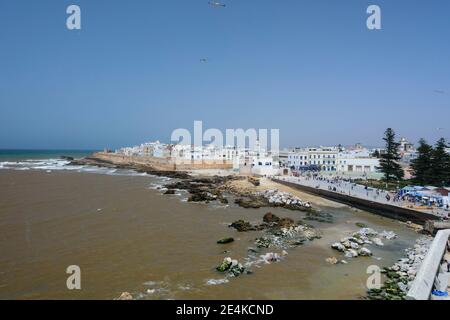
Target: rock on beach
[355, 245]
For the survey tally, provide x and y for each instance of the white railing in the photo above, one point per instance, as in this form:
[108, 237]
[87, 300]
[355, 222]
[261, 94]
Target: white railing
[424, 281]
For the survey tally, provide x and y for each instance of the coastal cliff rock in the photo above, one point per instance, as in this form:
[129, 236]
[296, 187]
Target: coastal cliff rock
[244, 226]
[97, 162]
[206, 189]
[203, 189]
[251, 202]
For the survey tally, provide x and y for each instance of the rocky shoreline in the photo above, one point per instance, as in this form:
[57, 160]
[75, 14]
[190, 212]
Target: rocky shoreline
[356, 244]
[279, 234]
[400, 276]
[216, 188]
[95, 162]
[208, 189]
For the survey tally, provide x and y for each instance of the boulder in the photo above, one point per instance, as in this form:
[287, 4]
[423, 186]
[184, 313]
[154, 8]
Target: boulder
[271, 257]
[223, 200]
[377, 242]
[225, 240]
[351, 253]
[225, 265]
[361, 225]
[255, 181]
[250, 202]
[312, 234]
[354, 245]
[346, 243]
[125, 296]
[368, 232]
[236, 268]
[364, 252]
[286, 222]
[242, 226]
[201, 196]
[388, 235]
[270, 218]
[338, 246]
[263, 242]
[332, 260]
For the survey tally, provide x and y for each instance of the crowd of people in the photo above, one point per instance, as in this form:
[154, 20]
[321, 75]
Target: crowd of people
[348, 186]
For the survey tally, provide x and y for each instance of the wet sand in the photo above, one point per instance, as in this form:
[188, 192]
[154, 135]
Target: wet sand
[159, 247]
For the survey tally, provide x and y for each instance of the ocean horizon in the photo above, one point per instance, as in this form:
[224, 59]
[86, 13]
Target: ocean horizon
[35, 154]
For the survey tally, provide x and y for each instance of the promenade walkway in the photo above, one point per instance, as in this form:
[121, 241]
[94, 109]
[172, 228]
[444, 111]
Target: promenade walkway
[360, 191]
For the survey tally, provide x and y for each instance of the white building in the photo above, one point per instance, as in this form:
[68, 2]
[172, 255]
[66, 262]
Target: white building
[155, 149]
[298, 159]
[241, 158]
[357, 161]
[265, 166]
[148, 149]
[283, 157]
[322, 158]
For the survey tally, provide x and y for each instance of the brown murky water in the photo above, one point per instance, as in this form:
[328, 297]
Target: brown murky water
[156, 246]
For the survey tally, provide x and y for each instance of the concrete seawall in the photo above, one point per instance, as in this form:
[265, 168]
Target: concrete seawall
[386, 210]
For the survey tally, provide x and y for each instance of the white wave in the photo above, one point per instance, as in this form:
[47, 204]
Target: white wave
[47, 164]
[157, 186]
[63, 165]
[185, 287]
[7, 163]
[214, 282]
[126, 172]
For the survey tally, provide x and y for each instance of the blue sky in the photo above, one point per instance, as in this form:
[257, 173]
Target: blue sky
[308, 67]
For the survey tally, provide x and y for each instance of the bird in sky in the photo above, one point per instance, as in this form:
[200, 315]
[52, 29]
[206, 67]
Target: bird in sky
[216, 4]
[439, 91]
[203, 60]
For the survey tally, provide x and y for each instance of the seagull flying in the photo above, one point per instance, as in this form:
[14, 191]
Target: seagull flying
[216, 4]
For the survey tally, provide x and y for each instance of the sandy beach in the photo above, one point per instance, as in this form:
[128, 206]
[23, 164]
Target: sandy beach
[268, 184]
